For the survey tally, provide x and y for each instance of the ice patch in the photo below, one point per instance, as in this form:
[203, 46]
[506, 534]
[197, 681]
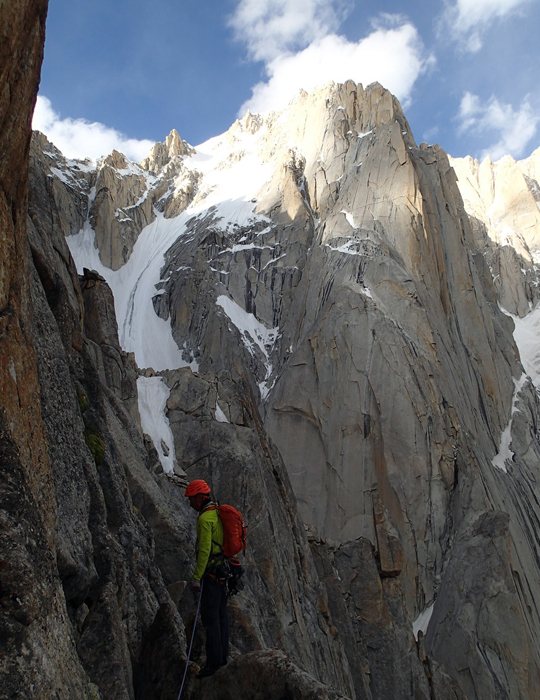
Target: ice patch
[505, 453]
[253, 334]
[220, 416]
[153, 394]
[345, 248]
[350, 219]
[66, 178]
[422, 621]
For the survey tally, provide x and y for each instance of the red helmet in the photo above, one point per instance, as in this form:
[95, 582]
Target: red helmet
[196, 487]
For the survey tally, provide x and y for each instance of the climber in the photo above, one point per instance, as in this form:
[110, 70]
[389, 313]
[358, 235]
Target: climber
[207, 581]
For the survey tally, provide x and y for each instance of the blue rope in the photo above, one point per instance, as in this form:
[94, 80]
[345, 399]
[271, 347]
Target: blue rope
[191, 643]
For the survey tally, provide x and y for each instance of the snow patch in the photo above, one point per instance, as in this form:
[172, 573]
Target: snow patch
[220, 416]
[350, 218]
[85, 166]
[64, 177]
[130, 169]
[274, 260]
[345, 248]
[422, 621]
[245, 246]
[226, 175]
[253, 334]
[505, 453]
[153, 394]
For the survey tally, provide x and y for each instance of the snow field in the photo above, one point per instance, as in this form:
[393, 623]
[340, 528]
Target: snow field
[153, 394]
[227, 184]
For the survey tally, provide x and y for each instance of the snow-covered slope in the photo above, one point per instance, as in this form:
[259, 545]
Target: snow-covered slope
[227, 184]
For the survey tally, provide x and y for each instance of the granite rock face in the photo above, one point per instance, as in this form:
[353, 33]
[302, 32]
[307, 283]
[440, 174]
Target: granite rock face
[116, 198]
[502, 200]
[123, 533]
[357, 393]
[350, 325]
[391, 376]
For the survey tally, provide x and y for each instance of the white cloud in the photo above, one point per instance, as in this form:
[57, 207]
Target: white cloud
[393, 54]
[515, 128]
[272, 27]
[468, 19]
[79, 138]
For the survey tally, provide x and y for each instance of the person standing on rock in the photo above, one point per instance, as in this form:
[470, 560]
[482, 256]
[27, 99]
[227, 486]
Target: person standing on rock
[206, 581]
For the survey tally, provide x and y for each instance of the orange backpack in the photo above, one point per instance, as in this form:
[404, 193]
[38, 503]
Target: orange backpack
[234, 530]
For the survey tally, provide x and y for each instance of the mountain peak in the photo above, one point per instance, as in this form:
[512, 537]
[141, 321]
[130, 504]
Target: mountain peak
[162, 153]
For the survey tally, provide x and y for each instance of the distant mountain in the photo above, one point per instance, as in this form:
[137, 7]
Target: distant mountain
[309, 315]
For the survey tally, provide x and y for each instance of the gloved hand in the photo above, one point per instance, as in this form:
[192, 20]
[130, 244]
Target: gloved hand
[196, 586]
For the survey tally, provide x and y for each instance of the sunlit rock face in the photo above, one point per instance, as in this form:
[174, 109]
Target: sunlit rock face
[340, 305]
[502, 200]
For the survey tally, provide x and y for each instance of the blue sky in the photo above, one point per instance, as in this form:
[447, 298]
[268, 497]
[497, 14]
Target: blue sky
[122, 74]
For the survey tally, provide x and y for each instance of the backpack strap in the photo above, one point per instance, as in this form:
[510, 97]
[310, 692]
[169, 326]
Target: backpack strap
[213, 505]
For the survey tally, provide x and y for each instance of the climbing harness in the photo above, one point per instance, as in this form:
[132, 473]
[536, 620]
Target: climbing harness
[192, 638]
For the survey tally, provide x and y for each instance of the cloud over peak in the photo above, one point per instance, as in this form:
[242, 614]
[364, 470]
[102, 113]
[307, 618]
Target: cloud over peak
[79, 138]
[301, 50]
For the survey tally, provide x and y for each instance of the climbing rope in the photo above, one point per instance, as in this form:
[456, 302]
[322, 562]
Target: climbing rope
[191, 643]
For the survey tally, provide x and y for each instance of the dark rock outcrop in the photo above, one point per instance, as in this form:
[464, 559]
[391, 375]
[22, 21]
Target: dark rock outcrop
[38, 657]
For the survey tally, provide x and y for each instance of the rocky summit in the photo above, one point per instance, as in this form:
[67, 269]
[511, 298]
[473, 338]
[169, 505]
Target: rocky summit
[333, 325]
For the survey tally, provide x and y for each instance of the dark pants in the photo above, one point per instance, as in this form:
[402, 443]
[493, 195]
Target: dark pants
[216, 621]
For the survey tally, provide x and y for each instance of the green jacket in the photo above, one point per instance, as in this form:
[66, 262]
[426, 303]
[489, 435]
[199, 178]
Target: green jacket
[209, 539]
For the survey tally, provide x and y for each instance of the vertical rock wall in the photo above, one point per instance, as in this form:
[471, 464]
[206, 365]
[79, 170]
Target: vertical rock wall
[32, 613]
[502, 200]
